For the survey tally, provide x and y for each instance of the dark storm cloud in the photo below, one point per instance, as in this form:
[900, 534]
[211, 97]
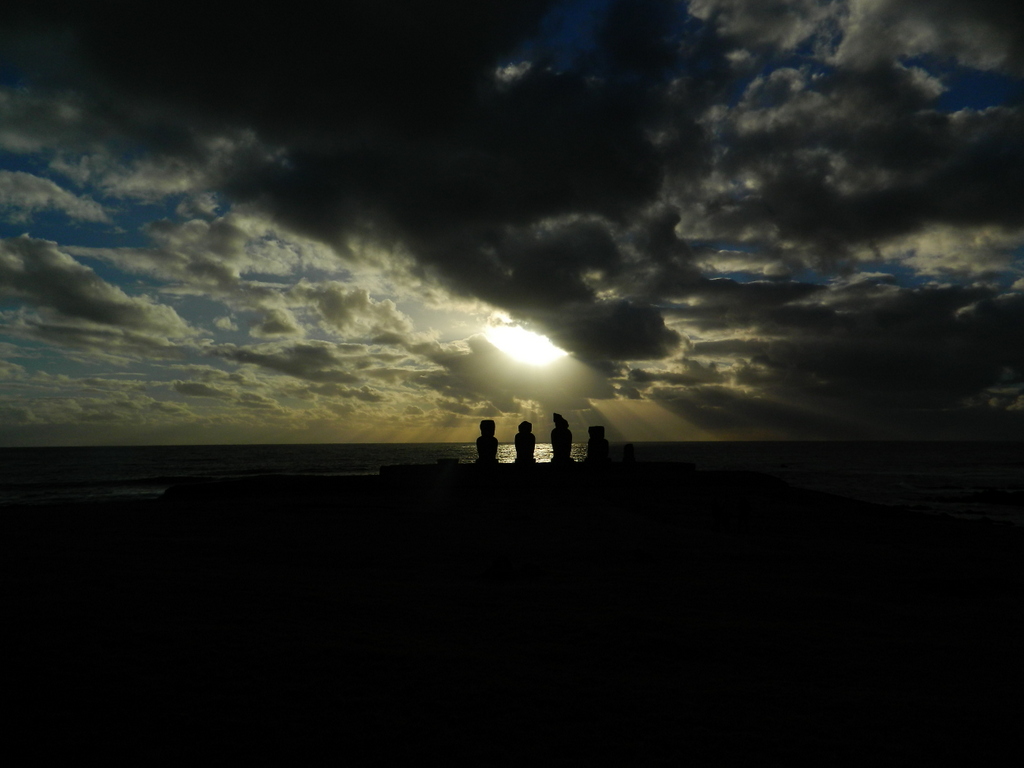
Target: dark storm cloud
[869, 344]
[313, 361]
[396, 124]
[30, 122]
[397, 67]
[851, 158]
[721, 303]
[616, 330]
[198, 389]
[638, 36]
[729, 413]
[496, 214]
[725, 411]
[589, 189]
[692, 373]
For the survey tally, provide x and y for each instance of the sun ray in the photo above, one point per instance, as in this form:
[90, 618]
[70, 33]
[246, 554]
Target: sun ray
[523, 345]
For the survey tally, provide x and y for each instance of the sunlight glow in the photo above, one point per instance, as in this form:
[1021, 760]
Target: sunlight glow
[523, 345]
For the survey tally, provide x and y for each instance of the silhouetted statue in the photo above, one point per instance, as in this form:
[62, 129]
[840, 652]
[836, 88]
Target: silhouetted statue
[628, 457]
[525, 442]
[561, 442]
[487, 444]
[597, 446]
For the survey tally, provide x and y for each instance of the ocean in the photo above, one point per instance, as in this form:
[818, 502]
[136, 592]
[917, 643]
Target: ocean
[959, 478]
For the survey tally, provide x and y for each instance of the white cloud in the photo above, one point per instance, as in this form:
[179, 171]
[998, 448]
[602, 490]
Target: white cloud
[511, 72]
[152, 177]
[350, 311]
[38, 272]
[11, 371]
[76, 308]
[277, 321]
[884, 30]
[215, 255]
[780, 23]
[968, 251]
[200, 204]
[22, 194]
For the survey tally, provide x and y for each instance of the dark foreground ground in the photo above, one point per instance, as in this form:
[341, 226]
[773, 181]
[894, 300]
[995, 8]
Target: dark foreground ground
[371, 622]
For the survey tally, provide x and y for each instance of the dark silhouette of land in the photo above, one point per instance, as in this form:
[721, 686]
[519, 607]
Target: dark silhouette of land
[644, 614]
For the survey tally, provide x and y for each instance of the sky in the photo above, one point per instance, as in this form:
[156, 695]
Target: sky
[728, 220]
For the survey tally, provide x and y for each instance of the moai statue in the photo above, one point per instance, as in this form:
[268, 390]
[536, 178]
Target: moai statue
[628, 455]
[487, 444]
[597, 446]
[525, 442]
[561, 442]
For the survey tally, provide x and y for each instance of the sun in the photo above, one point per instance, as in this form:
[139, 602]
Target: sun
[523, 345]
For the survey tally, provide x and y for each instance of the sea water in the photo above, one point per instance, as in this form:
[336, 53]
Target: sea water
[934, 475]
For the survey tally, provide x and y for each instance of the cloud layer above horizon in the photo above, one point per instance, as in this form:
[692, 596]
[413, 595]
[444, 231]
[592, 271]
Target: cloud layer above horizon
[743, 219]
